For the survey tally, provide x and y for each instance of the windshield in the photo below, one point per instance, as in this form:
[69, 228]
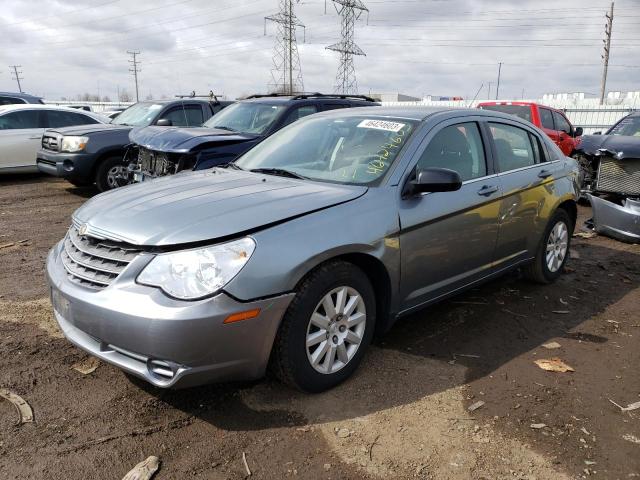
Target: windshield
[247, 117]
[522, 111]
[628, 127]
[138, 115]
[355, 150]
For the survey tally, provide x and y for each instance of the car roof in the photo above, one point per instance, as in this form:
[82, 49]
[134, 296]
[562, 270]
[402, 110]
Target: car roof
[519, 104]
[37, 106]
[278, 99]
[26, 96]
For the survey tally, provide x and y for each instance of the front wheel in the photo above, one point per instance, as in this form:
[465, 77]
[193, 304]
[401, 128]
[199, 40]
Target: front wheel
[326, 329]
[553, 250]
[112, 173]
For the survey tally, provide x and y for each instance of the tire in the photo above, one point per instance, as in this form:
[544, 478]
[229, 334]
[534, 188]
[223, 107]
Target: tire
[559, 231]
[291, 358]
[106, 172]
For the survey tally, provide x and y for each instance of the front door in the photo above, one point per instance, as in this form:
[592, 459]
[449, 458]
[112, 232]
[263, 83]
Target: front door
[448, 239]
[20, 137]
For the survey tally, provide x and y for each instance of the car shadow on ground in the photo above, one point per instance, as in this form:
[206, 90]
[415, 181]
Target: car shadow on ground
[41, 178]
[441, 347]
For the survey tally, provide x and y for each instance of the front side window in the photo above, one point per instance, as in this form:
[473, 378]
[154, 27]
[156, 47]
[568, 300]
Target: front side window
[188, 116]
[457, 147]
[561, 123]
[546, 119]
[299, 113]
[10, 100]
[513, 146]
[58, 119]
[355, 150]
[247, 117]
[22, 120]
[628, 127]
[138, 115]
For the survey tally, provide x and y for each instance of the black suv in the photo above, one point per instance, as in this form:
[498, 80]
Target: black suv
[95, 153]
[229, 134]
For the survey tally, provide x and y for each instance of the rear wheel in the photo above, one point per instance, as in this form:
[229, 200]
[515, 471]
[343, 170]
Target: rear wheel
[111, 173]
[553, 250]
[326, 329]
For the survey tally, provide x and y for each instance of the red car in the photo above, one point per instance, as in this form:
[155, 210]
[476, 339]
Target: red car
[553, 122]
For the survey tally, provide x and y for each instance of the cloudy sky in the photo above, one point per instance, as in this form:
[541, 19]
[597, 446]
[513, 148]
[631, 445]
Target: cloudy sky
[417, 47]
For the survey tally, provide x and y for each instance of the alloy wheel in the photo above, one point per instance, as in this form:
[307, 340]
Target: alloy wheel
[557, 246]
[336, 329]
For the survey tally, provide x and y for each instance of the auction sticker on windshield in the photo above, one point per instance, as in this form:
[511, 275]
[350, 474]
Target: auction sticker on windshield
[382, 125]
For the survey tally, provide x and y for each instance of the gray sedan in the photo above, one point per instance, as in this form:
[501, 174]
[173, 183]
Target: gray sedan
[323, 235]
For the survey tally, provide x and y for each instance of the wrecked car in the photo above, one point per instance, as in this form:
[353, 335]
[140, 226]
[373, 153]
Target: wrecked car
[610, 165]
[162, 152]
[294, 255]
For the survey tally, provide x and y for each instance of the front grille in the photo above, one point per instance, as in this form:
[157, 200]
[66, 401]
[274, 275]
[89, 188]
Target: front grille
[156, 164]
[92, 262]
[615, 176]
[50, 141]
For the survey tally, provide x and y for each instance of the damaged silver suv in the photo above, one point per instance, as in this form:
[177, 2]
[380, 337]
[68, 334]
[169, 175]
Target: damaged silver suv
[298, 252]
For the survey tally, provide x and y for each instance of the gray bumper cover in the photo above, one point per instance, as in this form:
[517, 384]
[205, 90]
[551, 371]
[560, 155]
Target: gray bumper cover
[618, 221]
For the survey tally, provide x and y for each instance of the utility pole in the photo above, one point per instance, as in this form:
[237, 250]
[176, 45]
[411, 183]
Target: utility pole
[16, 75]
[350, 11]
[489, 91]
[608, 28]
[498, 84]
[135, 70]
[286, 74]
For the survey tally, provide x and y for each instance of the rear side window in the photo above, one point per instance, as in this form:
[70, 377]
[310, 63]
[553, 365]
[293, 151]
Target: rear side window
[22, 120]
[187, 116]
[546, 119]
[561, 123]
[57, 119]
[514, 147]
[457, 147]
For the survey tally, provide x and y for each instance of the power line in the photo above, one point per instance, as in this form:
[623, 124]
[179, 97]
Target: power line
[349, 11]
[135, 70]
[607, 48]
[16, 75]
[286, 74]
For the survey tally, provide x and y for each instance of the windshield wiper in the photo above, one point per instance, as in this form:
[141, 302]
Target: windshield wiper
[225, 128]
[231, 165]
[278, 172]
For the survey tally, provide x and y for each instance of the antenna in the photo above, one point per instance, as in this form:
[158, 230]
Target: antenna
[286, 74]
[350, 11]
[135, 70]
[16, 75]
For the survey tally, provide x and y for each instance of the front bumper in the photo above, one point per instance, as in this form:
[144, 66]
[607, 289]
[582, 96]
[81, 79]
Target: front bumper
[167, 342]
[64, 165]
[618, 221]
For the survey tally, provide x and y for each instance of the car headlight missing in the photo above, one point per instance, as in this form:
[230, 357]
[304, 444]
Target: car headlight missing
[73, 144]
[197, 273]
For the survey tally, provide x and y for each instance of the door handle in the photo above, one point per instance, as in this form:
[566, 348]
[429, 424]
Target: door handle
[487, 190]
[544, 173]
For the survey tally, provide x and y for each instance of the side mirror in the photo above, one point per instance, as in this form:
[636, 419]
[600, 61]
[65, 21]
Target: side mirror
[164, 122]
[578, 132]
[596, 133]
[429, 180]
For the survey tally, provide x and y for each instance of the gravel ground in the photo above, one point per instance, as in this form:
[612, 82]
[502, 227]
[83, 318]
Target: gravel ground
[405, 414]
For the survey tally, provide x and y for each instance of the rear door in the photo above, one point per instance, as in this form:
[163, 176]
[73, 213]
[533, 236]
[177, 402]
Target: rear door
[448, 239]
[20, 136]
[527, 179]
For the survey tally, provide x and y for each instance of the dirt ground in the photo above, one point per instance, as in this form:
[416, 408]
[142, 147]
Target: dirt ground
[404, 415]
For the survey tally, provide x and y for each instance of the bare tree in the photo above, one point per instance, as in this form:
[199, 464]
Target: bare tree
[125, 96]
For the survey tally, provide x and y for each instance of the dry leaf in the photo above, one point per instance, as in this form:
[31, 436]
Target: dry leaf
[551, 345]
[87, 365]
[554, 365]
[144, 470]
[538, 426]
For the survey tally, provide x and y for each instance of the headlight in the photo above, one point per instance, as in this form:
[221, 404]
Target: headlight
[193, 274]
[73, 144]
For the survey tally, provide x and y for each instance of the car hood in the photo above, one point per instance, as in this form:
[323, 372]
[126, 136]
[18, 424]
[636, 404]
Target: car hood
[182, 140]
[89, 129]
[205, 206]
[620, 146]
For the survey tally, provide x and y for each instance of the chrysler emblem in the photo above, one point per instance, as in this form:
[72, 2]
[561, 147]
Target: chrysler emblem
[83, 229]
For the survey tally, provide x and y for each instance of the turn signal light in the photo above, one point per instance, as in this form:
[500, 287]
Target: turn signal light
[240, 316]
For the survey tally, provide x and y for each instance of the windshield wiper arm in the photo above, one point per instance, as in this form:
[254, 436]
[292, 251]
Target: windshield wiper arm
[279, 172]
[231, 165]
[222, 127]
